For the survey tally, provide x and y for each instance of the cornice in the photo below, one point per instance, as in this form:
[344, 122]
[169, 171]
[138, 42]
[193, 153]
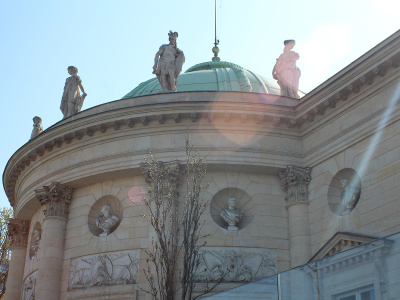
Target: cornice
[351, 258]
[129, 118]
[266, 111]
[345, 85]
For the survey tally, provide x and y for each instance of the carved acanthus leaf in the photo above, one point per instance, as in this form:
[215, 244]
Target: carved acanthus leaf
[56, 197]
[18, 231]
[295, 181]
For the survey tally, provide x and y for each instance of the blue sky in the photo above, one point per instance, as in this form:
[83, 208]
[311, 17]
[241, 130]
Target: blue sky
[113, 44]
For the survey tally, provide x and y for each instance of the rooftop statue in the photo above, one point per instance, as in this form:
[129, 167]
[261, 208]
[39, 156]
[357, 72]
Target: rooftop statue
[286, 71]
[72, 100]
[37, 127]
[349, 196]
[168, 63]
[107, 221]
[231, 215]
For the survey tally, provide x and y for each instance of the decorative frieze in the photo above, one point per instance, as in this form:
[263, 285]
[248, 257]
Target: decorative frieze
[295, 181]
[18, 231]
[112, 268]
[235, 264]
[56, 197]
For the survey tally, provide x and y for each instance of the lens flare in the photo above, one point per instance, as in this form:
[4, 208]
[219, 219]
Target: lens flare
[237, 124]
[379, 131]
[136, 194]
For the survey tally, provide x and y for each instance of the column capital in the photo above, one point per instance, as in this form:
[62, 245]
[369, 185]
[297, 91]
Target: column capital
[18, 231]
[170, 171]
[295, 181]
[56, 197]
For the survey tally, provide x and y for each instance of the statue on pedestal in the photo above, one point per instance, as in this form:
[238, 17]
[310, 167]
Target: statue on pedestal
[37, 127]
[231, 215]
[286, 71]
[107, 221]
[72, 101]
[349, 196]
[168, 64]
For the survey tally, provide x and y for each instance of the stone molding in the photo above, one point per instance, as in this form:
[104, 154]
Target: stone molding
[341, 241]
[369, 252]
[18, 231]
[295, 181]
[56, 197]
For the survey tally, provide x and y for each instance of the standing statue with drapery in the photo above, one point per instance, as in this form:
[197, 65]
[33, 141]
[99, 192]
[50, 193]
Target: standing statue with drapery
[72, 100]
[286, 71]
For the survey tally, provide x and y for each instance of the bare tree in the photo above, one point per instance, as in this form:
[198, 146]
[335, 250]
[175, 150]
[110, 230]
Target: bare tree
[194, 207]
[5, 242]
[176, 229]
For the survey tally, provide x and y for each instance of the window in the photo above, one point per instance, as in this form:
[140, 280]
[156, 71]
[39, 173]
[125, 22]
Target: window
[365, 293]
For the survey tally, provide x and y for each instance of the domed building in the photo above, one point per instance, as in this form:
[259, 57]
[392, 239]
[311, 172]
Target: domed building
[311, 177]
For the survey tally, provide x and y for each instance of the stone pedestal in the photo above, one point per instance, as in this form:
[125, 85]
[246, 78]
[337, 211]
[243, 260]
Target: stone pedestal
[56, 197]
[295, 180]
[18, 230]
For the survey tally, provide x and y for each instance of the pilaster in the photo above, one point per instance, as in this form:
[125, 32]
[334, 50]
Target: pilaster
[295, 181]
[18, 231]
[56, 197]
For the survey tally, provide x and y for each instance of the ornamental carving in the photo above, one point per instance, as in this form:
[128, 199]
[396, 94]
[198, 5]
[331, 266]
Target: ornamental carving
[235, 264]
[344, 191]
[30, 287]
[295, 181]
[18, 231]
[113, 268]
[35, 243]
[56, 197]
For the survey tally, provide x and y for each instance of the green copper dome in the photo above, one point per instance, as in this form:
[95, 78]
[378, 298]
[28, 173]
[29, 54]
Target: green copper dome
[213, 76]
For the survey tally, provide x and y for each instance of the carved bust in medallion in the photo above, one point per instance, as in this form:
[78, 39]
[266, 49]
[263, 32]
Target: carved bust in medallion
[107, 221]
[231, 215]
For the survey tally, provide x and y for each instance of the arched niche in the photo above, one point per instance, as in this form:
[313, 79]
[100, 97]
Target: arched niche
[344, 191]
[243, 201]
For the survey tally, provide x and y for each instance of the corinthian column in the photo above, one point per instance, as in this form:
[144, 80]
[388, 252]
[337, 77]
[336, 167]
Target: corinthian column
[56, 197]
[18, 231]
[295, 181]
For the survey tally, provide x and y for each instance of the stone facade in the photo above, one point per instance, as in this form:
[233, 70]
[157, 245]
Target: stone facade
[277, 156]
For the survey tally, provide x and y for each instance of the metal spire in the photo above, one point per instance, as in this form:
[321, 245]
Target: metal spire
[215, 49]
